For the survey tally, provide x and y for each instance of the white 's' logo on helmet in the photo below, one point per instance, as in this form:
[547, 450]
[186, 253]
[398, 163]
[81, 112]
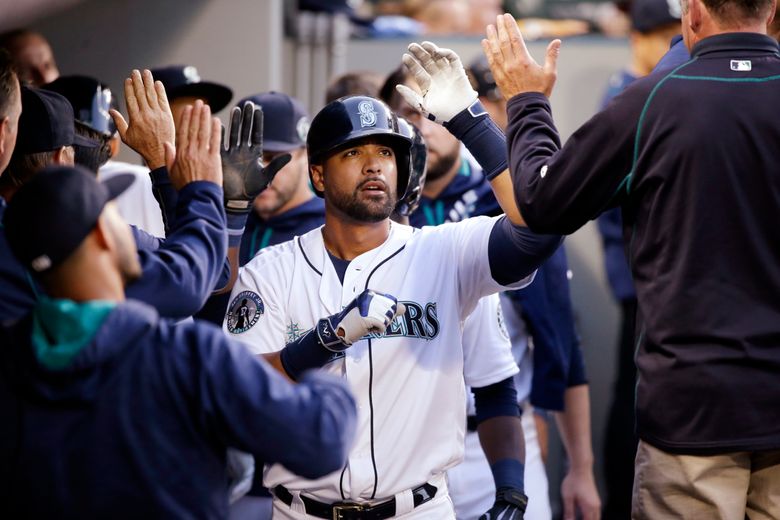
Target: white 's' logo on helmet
[367, 114]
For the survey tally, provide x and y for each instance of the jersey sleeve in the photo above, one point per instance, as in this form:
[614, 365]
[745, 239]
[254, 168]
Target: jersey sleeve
[256, 316]
[487, 352]
[466, 244]
[559, 189]
[180, 272]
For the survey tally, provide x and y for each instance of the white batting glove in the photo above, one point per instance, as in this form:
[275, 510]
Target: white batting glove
[370, 312]
[446, 90]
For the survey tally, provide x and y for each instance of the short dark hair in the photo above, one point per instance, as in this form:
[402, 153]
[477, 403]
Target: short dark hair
[358, 83]
[387, 93]
[24, 166]
[733, 12]
[9, 82]
[91, 158]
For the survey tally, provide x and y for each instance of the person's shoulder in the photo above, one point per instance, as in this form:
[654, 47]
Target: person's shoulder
[279, 254]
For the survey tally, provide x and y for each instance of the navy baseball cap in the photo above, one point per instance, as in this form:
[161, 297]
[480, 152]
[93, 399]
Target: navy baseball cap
[46, 123]
[648, 15]
[184, 81]
[285, 121]
[481, 79]
[90, 100]
[67, 194]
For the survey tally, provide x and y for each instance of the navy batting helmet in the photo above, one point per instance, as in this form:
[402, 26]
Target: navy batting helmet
[350, 118]
[411, 198]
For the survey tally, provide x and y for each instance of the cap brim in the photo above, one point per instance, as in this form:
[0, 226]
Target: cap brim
[85, 141]
[281, 146]
[217, 96]
[117, 184]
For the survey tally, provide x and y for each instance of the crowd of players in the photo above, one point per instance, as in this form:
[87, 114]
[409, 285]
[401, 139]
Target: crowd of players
[119, 398]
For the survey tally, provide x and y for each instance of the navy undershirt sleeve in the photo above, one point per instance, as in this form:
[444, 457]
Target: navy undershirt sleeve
[514, 252]
[496, 400]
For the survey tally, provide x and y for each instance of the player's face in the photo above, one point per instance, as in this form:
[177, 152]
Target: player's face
[10, 127]
[126, 252]
[35, 61]
[360, 181]
[286, 183]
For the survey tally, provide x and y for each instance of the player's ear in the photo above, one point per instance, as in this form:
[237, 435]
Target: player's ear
[317, 177]
[102, 232]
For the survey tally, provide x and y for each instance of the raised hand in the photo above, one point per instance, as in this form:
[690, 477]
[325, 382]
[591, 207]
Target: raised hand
[150, 123]
[513, 68]
[242, 165]
[444, 87]
[196, 156]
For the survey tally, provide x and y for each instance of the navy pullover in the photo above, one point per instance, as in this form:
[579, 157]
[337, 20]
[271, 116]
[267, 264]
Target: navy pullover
[138, 424]
[691, 154]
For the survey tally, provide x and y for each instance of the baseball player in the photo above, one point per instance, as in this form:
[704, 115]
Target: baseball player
[409, 381]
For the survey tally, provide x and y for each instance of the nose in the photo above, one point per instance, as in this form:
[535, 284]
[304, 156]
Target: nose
[372, 164]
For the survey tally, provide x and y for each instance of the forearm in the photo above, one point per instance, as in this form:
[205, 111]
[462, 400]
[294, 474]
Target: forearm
[166, 196]
[574, 426]
[502, 438]
[487, 144]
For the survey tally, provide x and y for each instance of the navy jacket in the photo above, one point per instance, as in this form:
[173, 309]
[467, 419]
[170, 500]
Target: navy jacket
[691, 155]
[179, 273]
[138, 424]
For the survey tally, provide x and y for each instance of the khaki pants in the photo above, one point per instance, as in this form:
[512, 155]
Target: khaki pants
[731, 486]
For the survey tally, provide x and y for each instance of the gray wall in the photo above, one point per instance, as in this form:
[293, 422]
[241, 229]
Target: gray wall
[237, 43]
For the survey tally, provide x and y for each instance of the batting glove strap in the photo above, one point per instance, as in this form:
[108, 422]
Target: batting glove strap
[486, 142]
[328, 338]
[510, 504]
[236, 222]
[369, 313]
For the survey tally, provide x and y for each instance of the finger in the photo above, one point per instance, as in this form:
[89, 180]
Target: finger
[504, 44]
[234, 128]
[420, 75]
[451, 57]
[551, 58]
[424, 58]
[149, 90]
[247, 116]
[216, 135]
[410, 96]
[568, 508]
[257, 129]
[170, 155]
[494, 46]
[119, 122]
[222, 143]
[162, 97]
[130, 101]
[276, 164]
[516, 41]
[183, 128]
[400, 309]
[435, 52]
[204, 128]
[138, 90]
[192, 134]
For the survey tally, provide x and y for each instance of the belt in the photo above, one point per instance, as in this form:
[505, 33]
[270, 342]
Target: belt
[354, 510]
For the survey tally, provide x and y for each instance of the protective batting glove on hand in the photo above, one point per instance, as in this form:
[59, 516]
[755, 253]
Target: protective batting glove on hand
[370, 312]
[510, 504]
[242, 166]
[439, 73]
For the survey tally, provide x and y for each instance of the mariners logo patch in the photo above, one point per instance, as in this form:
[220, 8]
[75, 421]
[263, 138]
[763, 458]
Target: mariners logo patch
[244, 311]
[367, 114]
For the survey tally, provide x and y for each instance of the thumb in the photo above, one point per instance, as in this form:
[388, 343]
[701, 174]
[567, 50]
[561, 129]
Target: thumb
[551, 57]
[410, 96]
[170, 155]
[400, 309]
[119, 121]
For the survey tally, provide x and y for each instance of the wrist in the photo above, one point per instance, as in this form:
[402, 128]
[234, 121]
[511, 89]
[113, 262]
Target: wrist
[508, 474]
[482, 137]
[236, 223]
[305, 353]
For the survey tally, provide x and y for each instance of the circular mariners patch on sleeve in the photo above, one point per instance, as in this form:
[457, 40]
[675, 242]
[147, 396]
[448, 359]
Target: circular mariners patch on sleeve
[244, 311]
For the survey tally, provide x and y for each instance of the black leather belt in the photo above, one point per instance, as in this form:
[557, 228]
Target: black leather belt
[354, 510]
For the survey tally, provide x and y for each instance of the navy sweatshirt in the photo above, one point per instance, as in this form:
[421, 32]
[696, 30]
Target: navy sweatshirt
[691, 155]
[137, 425]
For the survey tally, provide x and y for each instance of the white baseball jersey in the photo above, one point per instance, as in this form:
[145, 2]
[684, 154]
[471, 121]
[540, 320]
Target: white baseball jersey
[136, 204]
[408, 382]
